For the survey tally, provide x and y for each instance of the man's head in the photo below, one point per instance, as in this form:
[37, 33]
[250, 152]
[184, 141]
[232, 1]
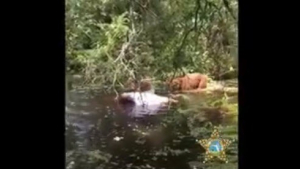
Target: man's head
[140, 86]
[125, 101]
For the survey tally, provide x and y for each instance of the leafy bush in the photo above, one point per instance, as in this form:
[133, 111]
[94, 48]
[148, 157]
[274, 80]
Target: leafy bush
[109, 41]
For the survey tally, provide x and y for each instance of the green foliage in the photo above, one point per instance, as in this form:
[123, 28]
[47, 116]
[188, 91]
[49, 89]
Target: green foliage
[208, 110]
[110, 41]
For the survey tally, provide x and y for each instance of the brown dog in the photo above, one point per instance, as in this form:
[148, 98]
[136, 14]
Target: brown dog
[190, 83]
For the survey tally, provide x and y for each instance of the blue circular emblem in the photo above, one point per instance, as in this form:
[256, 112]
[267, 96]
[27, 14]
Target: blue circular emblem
[215, 147]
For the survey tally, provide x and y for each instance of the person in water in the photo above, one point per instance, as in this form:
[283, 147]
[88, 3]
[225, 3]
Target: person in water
[144, 103]
[142, 100]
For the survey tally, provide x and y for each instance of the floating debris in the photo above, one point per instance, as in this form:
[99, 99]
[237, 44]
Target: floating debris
[118, 138]
[129, 165]
[70, 165]
[140, 141]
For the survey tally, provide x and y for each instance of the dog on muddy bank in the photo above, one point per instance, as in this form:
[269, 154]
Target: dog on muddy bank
[189, 83]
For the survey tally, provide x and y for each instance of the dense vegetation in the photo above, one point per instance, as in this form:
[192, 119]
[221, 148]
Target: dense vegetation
[111, 40]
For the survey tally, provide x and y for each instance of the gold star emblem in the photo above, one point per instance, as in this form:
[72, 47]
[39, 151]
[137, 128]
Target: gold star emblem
[215, 146]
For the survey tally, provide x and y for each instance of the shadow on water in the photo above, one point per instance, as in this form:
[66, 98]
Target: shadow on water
[99, 136]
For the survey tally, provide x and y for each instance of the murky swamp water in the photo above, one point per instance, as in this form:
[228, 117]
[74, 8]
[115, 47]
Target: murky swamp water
[99, 136]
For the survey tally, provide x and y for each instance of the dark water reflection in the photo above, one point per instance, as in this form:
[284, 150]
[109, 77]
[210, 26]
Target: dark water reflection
[99, 136]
